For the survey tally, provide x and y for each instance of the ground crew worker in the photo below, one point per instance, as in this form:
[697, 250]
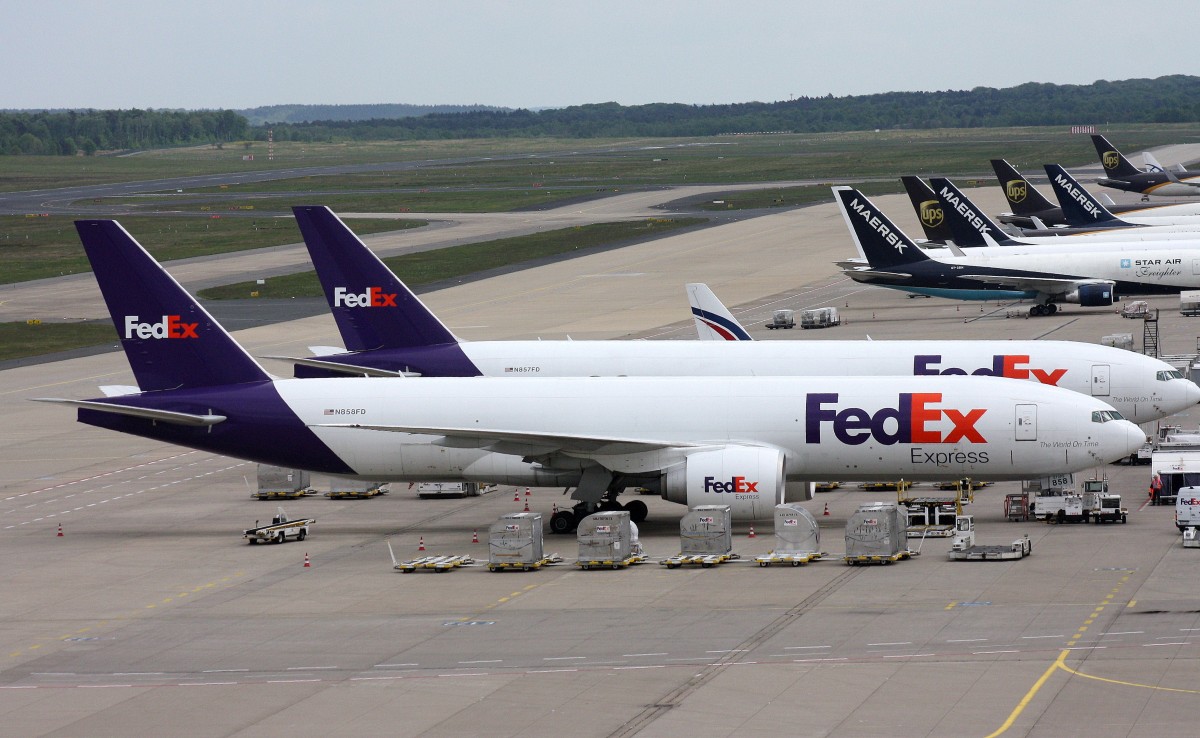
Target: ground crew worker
[1155, 489]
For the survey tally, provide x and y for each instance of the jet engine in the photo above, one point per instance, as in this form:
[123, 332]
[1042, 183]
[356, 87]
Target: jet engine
[1097, 294]
[748, 479]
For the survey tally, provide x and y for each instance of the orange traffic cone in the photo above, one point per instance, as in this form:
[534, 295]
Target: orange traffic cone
[752, 533]
[475, 536]
[421, 545]
[526, 506]
[826, 509]
[526, 491]
[554, 508]
[60, 535]
[516, 496]
[307, 563]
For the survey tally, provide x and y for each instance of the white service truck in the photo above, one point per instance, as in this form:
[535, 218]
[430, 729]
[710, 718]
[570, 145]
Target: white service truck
[279, 530]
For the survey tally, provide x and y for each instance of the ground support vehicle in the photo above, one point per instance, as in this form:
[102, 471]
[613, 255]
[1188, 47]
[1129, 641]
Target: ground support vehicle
[826, 317]
[1110, 510]
[278, 483]
[1016, 506]
[351, 490]
[279, 530]
[433, 563]
[706, 561]
[611, 563]
[782, 319]
[856, 560]
[524, 565]
[964, 547]
[795, 559]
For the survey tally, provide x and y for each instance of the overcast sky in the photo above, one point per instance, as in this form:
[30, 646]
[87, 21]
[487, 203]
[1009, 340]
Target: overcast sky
[544, 53]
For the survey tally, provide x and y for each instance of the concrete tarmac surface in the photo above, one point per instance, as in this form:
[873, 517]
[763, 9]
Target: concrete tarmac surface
[150, 614]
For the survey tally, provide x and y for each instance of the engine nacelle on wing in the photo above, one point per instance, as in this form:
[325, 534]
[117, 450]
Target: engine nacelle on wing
[749, 480]
[1099, 294]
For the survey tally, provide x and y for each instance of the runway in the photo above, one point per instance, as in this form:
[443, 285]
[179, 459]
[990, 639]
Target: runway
[151, 615]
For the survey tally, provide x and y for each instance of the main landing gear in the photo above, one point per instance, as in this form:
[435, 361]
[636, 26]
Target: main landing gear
[1039, 310]
[566, 521]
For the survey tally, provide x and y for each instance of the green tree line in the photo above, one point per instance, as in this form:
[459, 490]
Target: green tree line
[71, 131]
[1171, 99]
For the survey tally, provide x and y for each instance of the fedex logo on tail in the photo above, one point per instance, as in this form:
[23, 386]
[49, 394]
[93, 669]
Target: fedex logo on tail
[911, 421]
[1013, 366]
[169, 327]
[373, 297]
[736, 485]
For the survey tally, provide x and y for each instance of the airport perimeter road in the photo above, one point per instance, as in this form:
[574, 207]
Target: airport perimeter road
[150, 615]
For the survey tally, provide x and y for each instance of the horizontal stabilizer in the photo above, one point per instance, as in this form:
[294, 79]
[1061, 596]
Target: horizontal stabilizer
[119, 390]
[875, 274]
[326, 350]
[164, 416]
[352, 370]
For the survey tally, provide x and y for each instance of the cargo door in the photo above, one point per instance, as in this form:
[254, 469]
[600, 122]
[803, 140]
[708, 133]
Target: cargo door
[1026, 426]
[1100, 383]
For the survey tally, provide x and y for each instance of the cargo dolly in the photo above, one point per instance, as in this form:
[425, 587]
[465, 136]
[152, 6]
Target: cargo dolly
[429, 563]
[524, 565]
[795, 559]
[282, 494]
[611, 563]
[964, 547]
[704, 560]
[356, 494]
[856, 560]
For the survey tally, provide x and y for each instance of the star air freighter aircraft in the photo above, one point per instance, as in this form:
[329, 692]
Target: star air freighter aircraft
[391, 332]
[1091, 274]
[730, 440]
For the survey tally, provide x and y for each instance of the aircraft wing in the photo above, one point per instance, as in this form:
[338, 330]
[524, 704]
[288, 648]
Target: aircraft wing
[1044, 285]
[350, 370]
[529, 443]
[869, 274]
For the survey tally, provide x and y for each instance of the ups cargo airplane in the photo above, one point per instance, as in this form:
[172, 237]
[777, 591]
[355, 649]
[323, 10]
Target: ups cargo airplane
[732, 440]
[1032, 210]
[1123, 175]
[969, 226]
[1091, 273]
[395, 333]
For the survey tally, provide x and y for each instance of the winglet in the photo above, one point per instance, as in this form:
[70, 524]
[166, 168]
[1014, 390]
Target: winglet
[1078, 206]
[168, 338]
[714, 322]
[372, 307]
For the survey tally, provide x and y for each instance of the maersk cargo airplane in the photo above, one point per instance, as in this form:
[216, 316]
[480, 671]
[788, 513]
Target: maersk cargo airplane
[1091, 274]
[1032, 210]
[731, 440]
[395, 333]
[1081, 209]
[1123, 175]
[971, 227]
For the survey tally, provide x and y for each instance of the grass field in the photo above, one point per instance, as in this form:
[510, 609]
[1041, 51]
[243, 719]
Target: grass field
[35, 248]
[21, 339]
[457, 261]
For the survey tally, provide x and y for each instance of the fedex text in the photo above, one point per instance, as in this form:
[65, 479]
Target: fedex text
[1013, 366]
[373, 297]
[909, 422]
[169, 327]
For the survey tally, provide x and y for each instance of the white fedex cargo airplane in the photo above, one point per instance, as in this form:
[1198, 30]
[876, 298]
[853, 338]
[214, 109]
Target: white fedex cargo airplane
[395, 333]
[733, 440]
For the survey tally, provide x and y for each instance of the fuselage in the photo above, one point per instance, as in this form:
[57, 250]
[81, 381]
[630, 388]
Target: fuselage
[1141, 388]
[931, 428]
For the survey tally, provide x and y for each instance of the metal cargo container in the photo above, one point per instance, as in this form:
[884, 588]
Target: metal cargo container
[277, 480]
[516, 538]
[796, 531]
[352, 487]
[605, 536]
[877, 529]
[705, 530]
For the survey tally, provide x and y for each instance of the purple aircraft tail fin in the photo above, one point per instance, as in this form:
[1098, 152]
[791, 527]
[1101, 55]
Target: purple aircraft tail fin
[170, 340]
[372, 307]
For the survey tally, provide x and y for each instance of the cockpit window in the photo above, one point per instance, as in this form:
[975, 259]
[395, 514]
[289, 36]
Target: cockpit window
[1103, 416]
[1169, 375]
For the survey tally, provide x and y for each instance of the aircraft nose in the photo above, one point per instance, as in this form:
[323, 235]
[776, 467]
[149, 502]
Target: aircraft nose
[1191, 392]
[1133, 438]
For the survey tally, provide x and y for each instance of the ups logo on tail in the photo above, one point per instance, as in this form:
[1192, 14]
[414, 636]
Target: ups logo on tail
[1015, 190]
[1110, 159]
[931, 213]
